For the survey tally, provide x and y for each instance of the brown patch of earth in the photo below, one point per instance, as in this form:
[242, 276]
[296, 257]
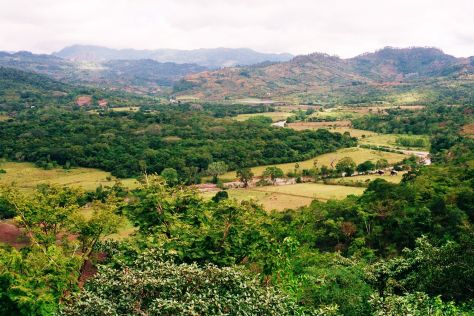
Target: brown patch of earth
[84, 100]
[11, 235]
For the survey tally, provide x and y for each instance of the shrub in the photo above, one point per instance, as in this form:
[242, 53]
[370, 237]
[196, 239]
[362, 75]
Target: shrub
[150, 286]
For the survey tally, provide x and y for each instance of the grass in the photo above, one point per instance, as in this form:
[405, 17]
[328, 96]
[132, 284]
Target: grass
[389, 140]
[370, 177]
[290, 196]
[299, 126]
[275, 116]
[335, 126]
[125, 109]
[359, 155]
[27, 176]
[4, 118]
[336, 114]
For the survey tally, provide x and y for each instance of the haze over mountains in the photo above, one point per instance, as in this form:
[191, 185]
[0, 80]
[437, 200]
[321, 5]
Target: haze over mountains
[207, 57]
[321, 75]
[315, 77]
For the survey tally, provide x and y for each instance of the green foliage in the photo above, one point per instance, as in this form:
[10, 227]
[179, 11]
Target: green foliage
[447, 270]
[430, 121]
[33, 281]
[155, 287]
[412, 142]
[178, 220]
[216, 169]
[126, 142]
[273, 173]
[366, 166]
[221, 195]
[346, 165]
[245, 175]
[416, 304]
[170, 176]
[381, 163]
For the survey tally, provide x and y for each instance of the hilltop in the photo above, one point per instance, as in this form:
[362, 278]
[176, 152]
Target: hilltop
[206, 57]
[144, 75]
[324, 78]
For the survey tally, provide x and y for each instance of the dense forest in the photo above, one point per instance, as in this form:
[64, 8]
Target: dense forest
[128, 143]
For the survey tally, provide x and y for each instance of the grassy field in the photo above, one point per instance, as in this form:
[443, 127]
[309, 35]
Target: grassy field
[27, 176]
[290, 196]
[370, 177]
[299, 126]
[4, 117]
[125, 109]
[336, 126]
[358, 154]
[389, 140]
[275, 116]
[336, 114]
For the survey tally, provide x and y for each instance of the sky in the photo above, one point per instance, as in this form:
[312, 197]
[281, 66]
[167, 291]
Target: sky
[344, 28]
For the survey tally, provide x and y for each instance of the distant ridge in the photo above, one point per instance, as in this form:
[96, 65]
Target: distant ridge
[207, 57]
[322, 75]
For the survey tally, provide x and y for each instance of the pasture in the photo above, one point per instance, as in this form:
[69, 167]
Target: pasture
[390, 140]
[125, 109]
[299, 126]
[26, 176]
[359, 155]
[275, 116]
[290, 196]
[369, 177]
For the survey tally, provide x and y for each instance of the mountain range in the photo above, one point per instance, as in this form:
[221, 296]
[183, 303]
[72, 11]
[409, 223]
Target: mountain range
[142, 75]
[206, 57]
[416, 74]
[321, 76]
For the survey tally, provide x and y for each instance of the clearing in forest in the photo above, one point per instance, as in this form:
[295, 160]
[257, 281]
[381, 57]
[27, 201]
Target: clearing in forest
[275, 116]
[27, 176]
[290, 196]
[359, 155]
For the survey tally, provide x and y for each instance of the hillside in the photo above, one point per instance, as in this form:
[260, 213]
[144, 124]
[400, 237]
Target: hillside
[143, 75]
[207, 57]
[322, 78]
[390, 64]
[23, 89]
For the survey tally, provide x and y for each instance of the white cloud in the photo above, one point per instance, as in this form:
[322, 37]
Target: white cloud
[345, 28]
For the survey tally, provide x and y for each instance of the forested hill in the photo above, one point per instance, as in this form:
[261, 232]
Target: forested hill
[207, 57]
[321, 77]
[134, 75]
[22, 89]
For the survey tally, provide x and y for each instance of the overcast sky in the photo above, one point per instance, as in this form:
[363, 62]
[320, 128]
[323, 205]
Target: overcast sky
[345, 28]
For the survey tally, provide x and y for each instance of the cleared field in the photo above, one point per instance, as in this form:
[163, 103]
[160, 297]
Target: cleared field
[275, 116]
[125, 109]
[371, 177]
[4, 118]
[290, 196]
[354, 132]
[296, 107]
[253, 101]
[390, 140]
[359, 155]
[468, 130]
[335, 126]
[299, 126]
[27, 176]
[336, 114]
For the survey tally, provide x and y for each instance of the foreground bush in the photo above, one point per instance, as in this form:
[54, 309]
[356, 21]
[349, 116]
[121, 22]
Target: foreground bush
[151, 286]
